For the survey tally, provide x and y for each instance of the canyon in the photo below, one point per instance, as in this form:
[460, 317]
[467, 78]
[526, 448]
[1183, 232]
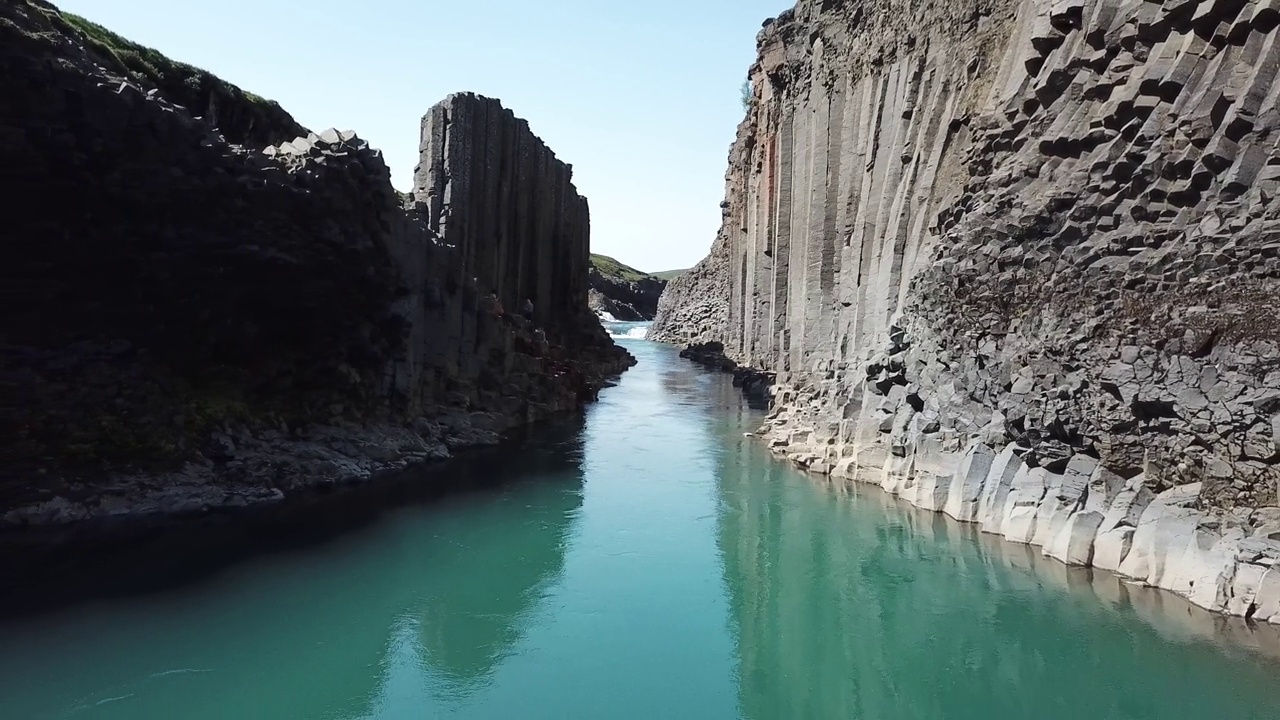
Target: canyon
[1011, 260]
[991, 372]
[227, 309]
[1018, 261]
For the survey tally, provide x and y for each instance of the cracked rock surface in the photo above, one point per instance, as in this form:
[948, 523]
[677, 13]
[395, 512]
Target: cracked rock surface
[1019, 261]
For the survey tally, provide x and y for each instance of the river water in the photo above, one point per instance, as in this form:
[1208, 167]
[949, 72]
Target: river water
[650, 562]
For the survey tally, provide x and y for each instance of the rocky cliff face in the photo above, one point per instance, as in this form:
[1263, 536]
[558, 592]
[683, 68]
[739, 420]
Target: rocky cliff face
[491, 189]
[694, 307]
[1019, 261]
[204, 324]
[623, 292]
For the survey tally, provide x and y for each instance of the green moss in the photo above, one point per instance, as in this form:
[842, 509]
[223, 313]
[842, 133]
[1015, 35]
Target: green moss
[612, 268]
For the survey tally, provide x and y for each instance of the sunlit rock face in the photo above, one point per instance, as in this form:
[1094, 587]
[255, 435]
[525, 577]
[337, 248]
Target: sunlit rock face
[1018, 261]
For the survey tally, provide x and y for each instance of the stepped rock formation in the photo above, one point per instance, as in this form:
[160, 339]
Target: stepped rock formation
[209, 324]
[1019, 261]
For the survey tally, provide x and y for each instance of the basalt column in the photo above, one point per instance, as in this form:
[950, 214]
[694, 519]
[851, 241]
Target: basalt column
[494, 191]
[229, 317]
[1019, 261]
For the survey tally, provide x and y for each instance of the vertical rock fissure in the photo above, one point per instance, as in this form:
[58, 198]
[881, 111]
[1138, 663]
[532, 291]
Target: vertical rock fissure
[1019, 228]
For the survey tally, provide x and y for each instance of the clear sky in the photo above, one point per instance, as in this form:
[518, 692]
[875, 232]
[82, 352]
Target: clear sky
[642, 97]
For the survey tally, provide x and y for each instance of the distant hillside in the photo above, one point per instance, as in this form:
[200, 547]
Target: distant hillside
[612, 268]
[669, 275]
[621, 291]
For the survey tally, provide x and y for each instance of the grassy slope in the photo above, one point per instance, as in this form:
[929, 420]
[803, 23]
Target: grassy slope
[612, 268]
[669, 275]
[140, 61]
[248, 118]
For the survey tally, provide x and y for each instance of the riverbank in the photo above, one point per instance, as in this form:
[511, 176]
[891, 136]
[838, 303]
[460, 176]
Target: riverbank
[1075, 512]
[249, 467]
[54, 566]
[654, 524]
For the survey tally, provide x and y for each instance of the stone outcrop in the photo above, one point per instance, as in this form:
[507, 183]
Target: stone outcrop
[622, 292]
[1019, 261]
[490, 188]
[694, 307]
[242, 117]
[205, 324]
[625, 300]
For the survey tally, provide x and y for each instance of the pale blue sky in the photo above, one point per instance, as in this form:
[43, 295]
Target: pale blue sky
[641, 97]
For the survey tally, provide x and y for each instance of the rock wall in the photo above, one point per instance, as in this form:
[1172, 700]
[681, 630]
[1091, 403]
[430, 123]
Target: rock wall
[206, 325]
[491, 189]
[626, 300]
[694, 307]
[1019, 261]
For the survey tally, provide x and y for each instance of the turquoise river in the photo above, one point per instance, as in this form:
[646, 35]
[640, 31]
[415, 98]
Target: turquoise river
[648, 562]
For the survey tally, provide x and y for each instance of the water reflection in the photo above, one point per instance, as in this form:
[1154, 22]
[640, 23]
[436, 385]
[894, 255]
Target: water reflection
[687, 576]
[305, 633]
[469, 619]
[867, 607]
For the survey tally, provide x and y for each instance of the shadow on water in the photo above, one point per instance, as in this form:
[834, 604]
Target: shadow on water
[429, 591]
[710, 392]
[46, 574]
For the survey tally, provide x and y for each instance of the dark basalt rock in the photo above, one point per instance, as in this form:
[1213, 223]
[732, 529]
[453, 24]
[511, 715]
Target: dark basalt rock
[626, 300]
[755, 384]
[193, 324]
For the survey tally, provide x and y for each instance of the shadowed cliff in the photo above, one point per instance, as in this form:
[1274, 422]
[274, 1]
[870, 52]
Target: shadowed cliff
[211, 321]
[622, 291]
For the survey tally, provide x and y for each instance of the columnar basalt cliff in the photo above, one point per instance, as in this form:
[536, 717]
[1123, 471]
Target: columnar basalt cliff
[1019, 262]
[205, 322]
[491, 189]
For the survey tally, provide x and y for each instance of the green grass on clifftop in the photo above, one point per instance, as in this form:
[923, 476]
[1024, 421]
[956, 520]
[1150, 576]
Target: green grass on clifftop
[141, 61]
[244, 117]
[612, 268]
[670, 275]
